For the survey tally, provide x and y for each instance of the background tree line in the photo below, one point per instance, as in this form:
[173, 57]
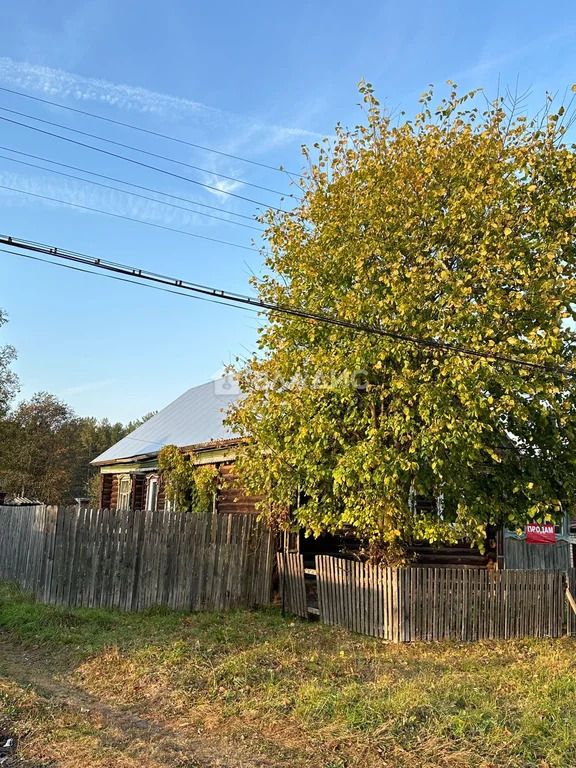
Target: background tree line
[45, 447]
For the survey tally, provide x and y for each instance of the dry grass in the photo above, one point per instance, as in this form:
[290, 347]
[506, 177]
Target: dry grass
[253, 689]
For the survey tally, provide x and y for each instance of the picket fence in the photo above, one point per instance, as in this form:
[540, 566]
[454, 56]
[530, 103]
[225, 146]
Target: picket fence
[132, 560]
[404, 605]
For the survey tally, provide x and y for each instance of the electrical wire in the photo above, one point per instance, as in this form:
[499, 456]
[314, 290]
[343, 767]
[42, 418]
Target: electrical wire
[139, 163]
[145, 152]
[127, 218]
[266, 306]
[127, 192]
[127, 183]
[125, 280]
[147, 131]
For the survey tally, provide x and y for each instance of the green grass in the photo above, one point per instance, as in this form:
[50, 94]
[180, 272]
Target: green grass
[304, 694]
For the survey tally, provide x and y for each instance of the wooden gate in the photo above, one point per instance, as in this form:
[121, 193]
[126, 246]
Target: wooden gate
[293, 583]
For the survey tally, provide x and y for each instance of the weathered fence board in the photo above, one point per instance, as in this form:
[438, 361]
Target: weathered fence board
[403, 605]
[293, 583]
[519, 554]
[570, 607]
[132, 560]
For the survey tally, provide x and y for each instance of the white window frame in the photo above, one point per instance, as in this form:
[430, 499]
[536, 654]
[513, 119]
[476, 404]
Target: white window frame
[152, 494]
[124, 496]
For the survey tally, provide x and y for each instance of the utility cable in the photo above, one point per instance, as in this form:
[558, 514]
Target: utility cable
[127, 183]
[266, 306]
[127, 192]
[127, 218]
[145, 152]
[141, 164]
[147, 131]
[105, 275]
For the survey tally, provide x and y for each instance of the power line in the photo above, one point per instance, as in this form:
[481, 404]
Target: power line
[149, 132]
[128, 183]
[126, 191]
[240, 299]
[146, 152]
[124, 280]
[126, 218]
[138, 162]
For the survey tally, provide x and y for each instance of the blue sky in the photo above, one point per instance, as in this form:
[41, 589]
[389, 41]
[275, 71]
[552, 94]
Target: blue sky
[255, 79]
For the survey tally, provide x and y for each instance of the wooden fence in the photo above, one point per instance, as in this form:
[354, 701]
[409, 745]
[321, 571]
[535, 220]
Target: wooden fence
[292, 584]
[133, 560]
[571, 602]
[403, 605]
[519, 554]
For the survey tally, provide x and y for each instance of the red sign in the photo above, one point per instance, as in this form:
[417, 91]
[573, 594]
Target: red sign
[540, 534]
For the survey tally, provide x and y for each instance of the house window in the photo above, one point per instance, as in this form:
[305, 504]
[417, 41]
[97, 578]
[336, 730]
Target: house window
[152, 494]
[124, 492]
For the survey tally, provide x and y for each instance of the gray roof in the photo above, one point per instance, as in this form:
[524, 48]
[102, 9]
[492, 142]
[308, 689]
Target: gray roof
[195, 418]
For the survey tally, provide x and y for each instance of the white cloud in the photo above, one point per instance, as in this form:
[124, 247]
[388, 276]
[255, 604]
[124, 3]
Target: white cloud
[226, 131]
[77, 193]
[57, 83]
[222, 187]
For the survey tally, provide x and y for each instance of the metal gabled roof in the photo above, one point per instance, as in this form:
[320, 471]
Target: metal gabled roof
[195, 418]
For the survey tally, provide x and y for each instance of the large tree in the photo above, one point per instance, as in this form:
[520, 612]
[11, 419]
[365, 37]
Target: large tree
[48, 449]
[8, 388]
[45, 448]
[8, 379]
[457, 226]
[40, 450]
[94, 436]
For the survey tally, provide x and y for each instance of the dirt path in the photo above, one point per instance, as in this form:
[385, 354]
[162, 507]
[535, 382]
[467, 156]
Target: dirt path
[146, 742]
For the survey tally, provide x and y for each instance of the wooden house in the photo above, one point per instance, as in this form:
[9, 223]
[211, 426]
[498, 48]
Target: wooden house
[129, 477]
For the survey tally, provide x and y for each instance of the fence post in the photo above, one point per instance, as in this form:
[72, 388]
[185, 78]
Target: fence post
[283, 582]
[570, 603]
[140, 524]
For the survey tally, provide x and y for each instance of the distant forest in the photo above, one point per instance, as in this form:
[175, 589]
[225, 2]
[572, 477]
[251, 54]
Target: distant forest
[45, 448]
